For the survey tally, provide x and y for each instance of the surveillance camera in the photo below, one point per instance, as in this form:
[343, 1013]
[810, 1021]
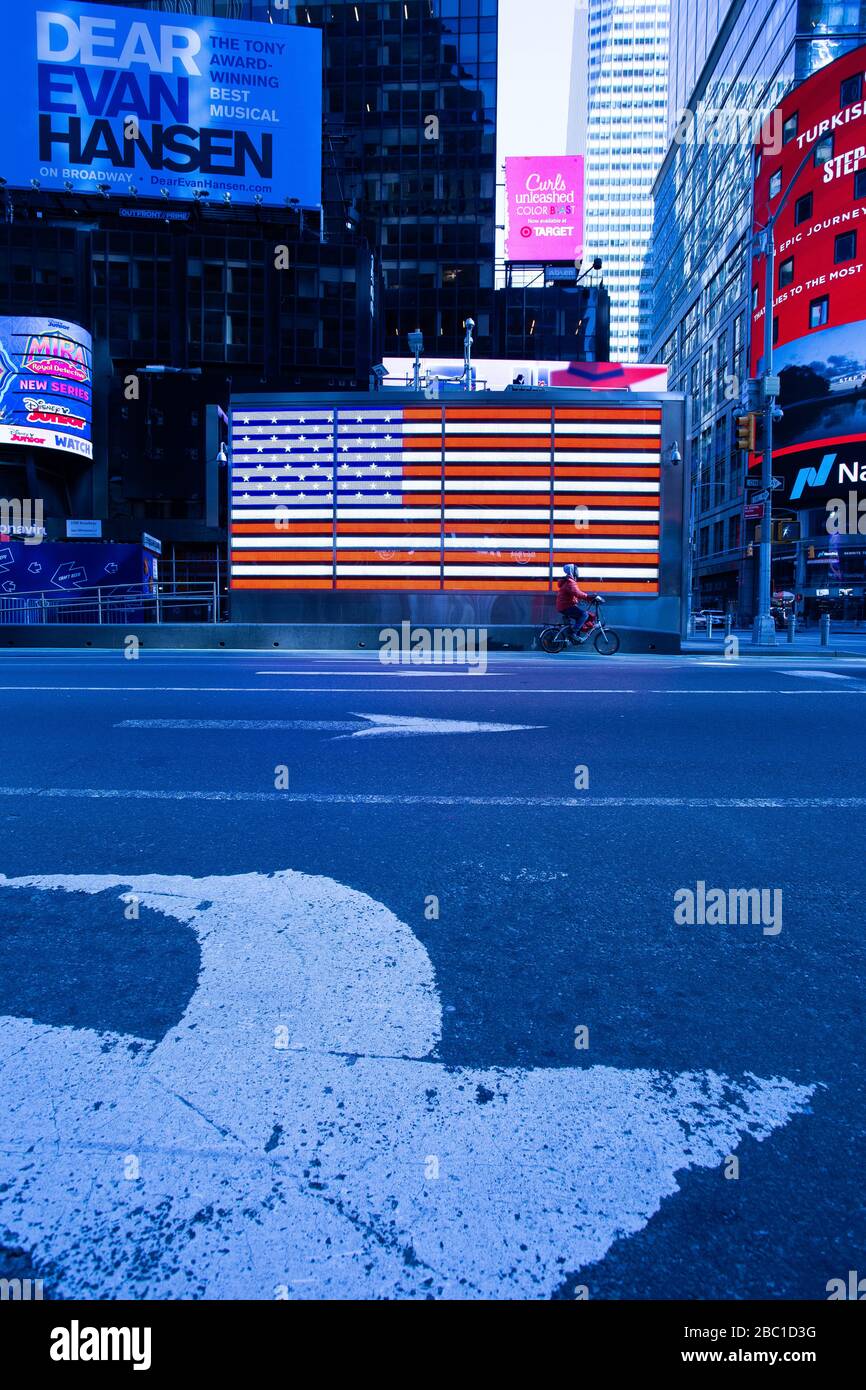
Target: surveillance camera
[778, 414]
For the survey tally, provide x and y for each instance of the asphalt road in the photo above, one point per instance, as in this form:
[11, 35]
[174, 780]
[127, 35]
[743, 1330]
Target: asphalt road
[324, 1038]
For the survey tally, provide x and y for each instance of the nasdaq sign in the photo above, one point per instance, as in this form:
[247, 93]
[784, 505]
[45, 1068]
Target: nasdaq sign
[142, 101]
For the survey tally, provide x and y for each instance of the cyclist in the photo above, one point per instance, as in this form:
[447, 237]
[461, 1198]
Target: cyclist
[568, 602]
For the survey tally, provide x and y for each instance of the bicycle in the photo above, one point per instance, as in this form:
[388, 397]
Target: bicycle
[555, 638]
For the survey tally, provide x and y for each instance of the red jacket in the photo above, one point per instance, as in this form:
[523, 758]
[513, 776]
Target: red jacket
[569, 595]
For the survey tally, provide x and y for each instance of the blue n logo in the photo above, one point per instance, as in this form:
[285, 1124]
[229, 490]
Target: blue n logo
[812, 477]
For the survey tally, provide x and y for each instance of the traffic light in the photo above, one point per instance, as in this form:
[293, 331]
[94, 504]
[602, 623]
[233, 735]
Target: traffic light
[747, 432]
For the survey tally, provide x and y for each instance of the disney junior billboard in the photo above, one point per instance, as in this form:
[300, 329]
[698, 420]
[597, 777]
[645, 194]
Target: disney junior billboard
[45, 385]
[161, 103]
[544, 200]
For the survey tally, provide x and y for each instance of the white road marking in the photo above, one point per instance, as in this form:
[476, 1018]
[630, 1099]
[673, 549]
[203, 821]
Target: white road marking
[378, 725]
[748, 803]
[454, 673]
[262, 1164]
[818, 675]
[563, 689]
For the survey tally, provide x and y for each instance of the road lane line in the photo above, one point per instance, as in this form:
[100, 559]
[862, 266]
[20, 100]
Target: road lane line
[748, 803]
[414, 690]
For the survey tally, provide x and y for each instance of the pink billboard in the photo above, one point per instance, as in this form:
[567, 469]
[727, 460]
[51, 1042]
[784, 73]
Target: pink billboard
[544, 199]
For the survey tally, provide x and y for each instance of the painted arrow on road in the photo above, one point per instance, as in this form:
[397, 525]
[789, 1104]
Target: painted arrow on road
[296, 1135]
[377, 726]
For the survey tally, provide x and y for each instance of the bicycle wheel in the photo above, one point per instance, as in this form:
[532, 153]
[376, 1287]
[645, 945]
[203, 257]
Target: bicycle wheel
[552, 641]
[607, 642]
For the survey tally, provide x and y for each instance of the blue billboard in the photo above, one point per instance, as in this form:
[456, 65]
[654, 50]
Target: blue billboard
[46, 385]
[157, 103]
[56, 567]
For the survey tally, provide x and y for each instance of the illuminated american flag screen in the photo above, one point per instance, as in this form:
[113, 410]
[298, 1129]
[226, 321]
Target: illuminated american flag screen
[474, 497]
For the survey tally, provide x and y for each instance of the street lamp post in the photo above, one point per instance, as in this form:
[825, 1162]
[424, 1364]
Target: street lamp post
[764, 628]
[469, 324]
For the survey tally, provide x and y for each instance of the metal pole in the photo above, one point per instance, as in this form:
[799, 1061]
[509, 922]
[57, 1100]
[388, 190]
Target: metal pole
[99, 605]
[467, 355]
[764, 630]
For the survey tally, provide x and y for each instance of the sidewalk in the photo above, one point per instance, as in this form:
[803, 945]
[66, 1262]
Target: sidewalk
[808, 643]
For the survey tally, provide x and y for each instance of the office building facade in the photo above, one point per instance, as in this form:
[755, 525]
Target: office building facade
[626, 82]
[731, 65]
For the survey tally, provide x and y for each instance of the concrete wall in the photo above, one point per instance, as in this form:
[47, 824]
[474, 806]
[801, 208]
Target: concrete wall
[287, 636]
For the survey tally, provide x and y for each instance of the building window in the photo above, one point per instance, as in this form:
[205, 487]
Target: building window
[850, 91]
[803, 209]
[789, 128]
[845, 247]
[786, 272]
[754, 298]
[776, 184]
[775, 329]
[819, 311]
[823, 150]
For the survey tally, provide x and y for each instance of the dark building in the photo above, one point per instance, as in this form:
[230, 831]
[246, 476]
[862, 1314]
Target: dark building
[555, 320]
[410, 152]
[219, 298]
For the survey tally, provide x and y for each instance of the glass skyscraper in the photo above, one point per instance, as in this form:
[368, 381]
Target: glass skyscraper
[626, 138]
[731, 63]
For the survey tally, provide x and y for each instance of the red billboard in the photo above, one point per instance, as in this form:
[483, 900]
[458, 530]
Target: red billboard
[819, 293]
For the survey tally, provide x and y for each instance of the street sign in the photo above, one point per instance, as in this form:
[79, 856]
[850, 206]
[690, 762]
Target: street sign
[83, 530]
[772, 385]
[776, 483]
[151, 543]
[753, 483]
